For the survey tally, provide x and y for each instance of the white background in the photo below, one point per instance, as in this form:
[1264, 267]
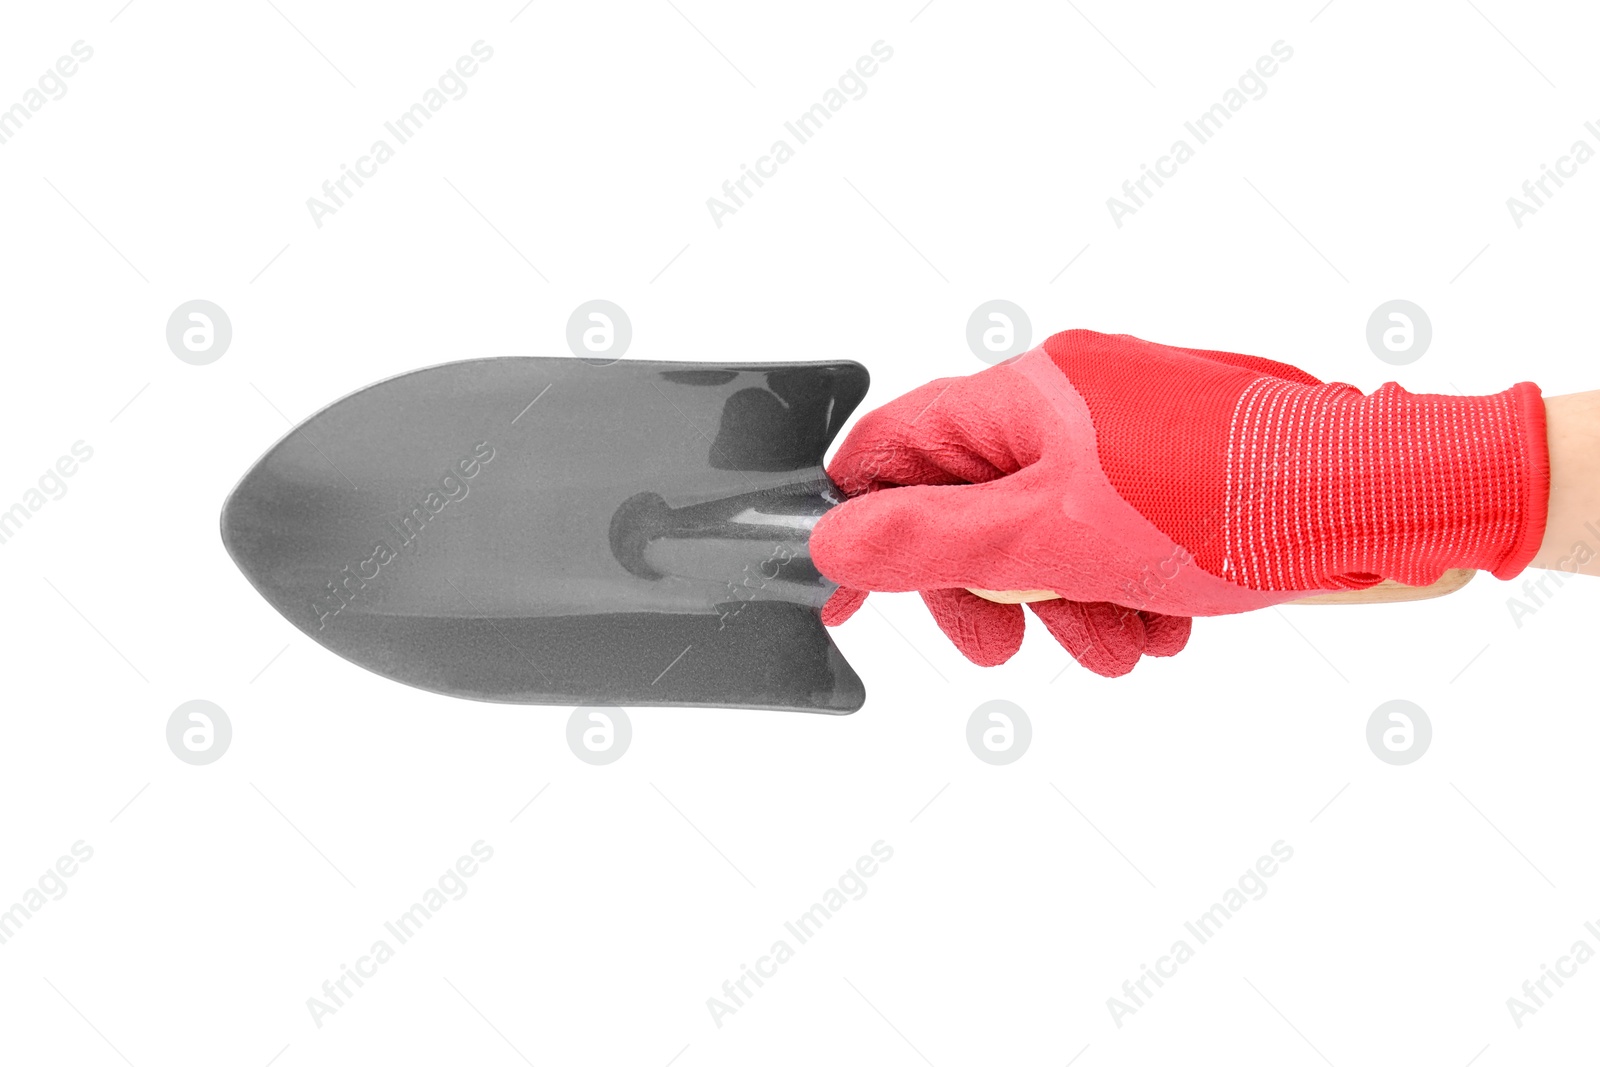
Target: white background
[977, 166]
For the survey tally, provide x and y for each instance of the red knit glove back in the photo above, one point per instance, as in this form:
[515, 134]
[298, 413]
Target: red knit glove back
[1277, 481]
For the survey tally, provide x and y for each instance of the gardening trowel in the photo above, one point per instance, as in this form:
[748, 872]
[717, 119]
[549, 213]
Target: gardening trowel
[552, 531]
[555, 531]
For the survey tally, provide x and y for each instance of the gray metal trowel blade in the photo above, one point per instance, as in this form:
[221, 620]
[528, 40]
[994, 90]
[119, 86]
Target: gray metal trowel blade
[549, 531]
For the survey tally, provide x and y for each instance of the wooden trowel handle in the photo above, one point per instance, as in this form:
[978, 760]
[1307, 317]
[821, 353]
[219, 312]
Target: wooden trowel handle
[1385, 592]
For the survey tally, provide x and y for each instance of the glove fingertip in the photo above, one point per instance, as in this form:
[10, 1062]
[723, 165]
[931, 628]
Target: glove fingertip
[986, 633]
[1110, 667]
[1105, 638]
[1165, 635]
[844, 603]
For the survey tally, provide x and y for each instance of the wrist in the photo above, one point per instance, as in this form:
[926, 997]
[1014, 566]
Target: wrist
[1571, 540]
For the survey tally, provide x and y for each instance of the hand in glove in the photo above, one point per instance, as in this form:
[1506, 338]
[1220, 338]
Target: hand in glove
[1145, 484]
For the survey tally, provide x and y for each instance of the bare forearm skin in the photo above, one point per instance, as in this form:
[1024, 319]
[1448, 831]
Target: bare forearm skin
[1572, 528]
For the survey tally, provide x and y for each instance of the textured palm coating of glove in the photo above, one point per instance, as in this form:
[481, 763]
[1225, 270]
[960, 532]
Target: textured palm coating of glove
[1170, 482]
[1106, 638]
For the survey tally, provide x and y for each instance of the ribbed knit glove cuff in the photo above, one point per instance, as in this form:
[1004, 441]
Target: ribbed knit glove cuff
[1327, 488]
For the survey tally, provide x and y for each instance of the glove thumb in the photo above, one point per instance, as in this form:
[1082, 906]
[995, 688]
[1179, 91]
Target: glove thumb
[919, 537]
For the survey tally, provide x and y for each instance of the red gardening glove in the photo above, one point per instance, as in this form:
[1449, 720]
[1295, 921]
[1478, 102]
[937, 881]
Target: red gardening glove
[1105, 637]
[1170, 482]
